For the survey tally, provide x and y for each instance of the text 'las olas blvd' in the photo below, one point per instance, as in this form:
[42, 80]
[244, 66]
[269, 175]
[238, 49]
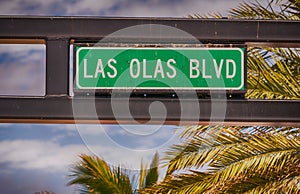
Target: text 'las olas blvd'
[103, 67]
[139, 69]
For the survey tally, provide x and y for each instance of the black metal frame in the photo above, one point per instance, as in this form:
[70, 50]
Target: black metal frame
[59, 32]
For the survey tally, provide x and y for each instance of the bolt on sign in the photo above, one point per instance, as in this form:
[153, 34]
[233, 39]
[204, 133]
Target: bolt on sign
[159, 68]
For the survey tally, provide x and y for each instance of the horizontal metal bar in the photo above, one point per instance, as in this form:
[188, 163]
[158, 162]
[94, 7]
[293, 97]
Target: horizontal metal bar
[58, 107]
[222, 30]
[224, 123]
[60, 110]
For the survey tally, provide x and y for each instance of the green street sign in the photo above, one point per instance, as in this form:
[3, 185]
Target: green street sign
[159, 68]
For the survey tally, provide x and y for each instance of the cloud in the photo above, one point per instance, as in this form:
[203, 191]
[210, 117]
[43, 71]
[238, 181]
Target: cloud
[39, 155]
[140, 8]
[35, 165]
[120, 146]
[62, 147]
[135, 137]
[6, 125]
[94, 7]
[55, 7]
[22, 69]
[67, 127]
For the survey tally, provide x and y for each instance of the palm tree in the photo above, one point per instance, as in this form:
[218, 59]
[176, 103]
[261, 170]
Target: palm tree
[96, 176]
[216, 159]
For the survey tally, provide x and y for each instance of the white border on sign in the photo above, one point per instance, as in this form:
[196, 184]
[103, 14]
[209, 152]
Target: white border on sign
[160, 88]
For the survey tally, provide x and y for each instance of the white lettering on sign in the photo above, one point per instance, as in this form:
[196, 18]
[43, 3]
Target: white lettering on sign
[159, 69]
[190, 68]
[85, 75]
[138, 67]
[204, 69]
[109, 63]
[195, 68]
[172, 68]
[228, 62]
[99, 69]
[145, 69]
[218, 68]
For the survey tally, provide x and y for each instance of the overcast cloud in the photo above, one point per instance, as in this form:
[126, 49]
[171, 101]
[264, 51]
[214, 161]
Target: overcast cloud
[22, 69]
[138, 8]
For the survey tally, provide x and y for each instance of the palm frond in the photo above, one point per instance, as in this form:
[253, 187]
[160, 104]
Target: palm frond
[292, 8]
[148, 175]
[179, 183]
[206, 16]
[287, 185]
[274, 9]
[291, 58]
[143, 174]
[201, 148]
[152, 175]
[191, 131]
[237, 161]
[97, 177]
[272, 76]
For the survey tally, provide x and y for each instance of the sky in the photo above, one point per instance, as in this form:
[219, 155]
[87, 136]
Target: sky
[135, 8]
[38, 157]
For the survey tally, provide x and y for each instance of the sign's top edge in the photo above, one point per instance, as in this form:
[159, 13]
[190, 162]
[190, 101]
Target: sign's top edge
[240, 49]
[161, 48]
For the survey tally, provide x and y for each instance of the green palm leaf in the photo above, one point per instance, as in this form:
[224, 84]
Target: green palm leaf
[97, 177]
[245, 161]
[273, 9]
[149, 177]
[152, 175]
[178, 183]
[287, 185]
[273, 75]
[200, 148]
